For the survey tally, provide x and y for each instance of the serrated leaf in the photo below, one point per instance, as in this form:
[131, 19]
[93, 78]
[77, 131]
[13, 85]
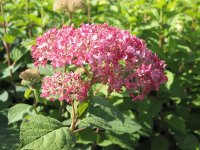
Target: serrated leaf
[97, 122]
[82, 109]
[40, 132]
[128, 126]
[18, 112]
[17, 53]
[3, 96]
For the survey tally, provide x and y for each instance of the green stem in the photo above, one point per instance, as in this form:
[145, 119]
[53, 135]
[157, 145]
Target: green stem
[161, 37]
[7, 47]
[70, 18]
[36, 96]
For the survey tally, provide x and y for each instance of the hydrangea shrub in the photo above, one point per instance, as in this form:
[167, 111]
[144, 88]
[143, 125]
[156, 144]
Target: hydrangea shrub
[105, 55]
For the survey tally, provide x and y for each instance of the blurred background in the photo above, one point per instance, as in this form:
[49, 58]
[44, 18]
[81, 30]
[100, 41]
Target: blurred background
[169, 118]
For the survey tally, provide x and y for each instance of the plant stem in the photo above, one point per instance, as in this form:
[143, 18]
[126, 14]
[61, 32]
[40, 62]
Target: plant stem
[7, 47]
[27, 12]
[74, 119]
[80, 129]
[88, 10]
[62, 104]
[35, 100]
[161, 37]
[70, 18]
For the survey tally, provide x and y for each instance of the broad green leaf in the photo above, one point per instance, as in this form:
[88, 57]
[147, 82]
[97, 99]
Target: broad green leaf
[82, 109]
[149, 107]
[107, 107]
[42, 133]
[159, 142]
[121, 140]
[97, 122]
[18, 112]
[86, 136]
[128, 126]
[4, 96]
[176, 123]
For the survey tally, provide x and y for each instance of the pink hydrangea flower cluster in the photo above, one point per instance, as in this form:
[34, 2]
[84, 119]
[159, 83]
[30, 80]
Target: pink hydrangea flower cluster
[115, 57]
[64, 86]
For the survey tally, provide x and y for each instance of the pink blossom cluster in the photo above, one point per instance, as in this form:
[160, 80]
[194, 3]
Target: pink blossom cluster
[115, 57]
[64, 86]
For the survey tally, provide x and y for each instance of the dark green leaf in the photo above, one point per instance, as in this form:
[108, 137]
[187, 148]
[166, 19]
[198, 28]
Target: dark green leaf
[38, 129]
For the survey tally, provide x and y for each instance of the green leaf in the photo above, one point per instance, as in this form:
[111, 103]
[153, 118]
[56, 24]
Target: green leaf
[170, 77]
[9, 137]
[159, 142]
[97, 122]
[41, 133]
[28, 43]
[107, 107]
[190, 142]
[3, 96]
[17, 53]
[149, 107]
[121, 140]
[128, 126]
[8, 38]
[27, 93]
[18, 112]
[82, 109]
[86, 136]
[47, 70]
[176, 123]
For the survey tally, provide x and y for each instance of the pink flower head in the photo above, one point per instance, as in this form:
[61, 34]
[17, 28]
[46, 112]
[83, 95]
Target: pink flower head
[64, 86]
[114, 56]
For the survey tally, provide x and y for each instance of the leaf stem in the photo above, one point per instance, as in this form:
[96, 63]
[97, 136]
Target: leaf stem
[78, 130]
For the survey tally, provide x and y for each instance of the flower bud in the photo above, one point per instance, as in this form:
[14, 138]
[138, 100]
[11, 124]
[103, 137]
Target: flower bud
[30, 76]
[67, 5]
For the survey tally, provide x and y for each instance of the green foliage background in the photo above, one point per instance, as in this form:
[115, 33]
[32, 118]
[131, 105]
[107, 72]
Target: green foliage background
[167, 119]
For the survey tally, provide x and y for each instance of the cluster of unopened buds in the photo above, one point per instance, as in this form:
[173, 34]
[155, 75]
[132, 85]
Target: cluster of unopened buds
[108, 55]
